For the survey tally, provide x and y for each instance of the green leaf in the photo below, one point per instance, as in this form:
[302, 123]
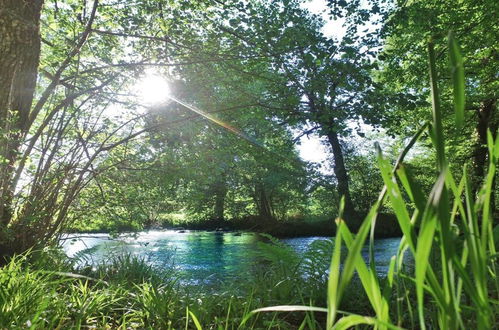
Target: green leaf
[457, 73]
[195, 320]
[352, 320]
[437, 129]
[412, 188]
[290, 308]
[398, 202]
[368, 278]
[333, 289]
[354, 254]
[425, 243]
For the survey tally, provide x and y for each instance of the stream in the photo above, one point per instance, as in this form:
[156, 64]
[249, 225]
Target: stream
[199, 256]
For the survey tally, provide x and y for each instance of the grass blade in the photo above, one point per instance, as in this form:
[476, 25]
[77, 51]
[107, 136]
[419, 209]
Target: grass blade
[397, 200]
[195, 320]
[333, 291]
[438, 131]
[457, 74]
[351, 321]
[425, 243]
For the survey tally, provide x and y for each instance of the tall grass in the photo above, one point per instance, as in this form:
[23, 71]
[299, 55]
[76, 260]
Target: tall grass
[38, 291]
[449, 233]
[42, 289]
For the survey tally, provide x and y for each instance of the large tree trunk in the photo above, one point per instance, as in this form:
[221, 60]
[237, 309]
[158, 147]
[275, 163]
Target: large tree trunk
[19, 59]
[341, 174]
[487, 120]
[263, 203]
[220, 194]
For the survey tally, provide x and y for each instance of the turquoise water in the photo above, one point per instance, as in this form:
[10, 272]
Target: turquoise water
[199, 256]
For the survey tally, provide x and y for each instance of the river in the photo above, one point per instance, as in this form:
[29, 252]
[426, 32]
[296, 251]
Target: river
[199, 256]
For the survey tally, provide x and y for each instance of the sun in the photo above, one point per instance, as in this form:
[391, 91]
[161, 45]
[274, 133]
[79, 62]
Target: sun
[152, 89]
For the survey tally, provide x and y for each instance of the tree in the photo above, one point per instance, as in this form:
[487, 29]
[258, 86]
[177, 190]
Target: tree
[268, 59]
[52, 149]
[312, 81]
[20, 49]
[233, 155]
[407, 30]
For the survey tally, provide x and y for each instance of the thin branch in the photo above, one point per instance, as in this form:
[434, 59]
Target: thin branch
[57, 76]
[307, 133]
[46, 121]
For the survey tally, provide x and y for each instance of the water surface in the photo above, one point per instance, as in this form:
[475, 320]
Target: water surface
[199, 256]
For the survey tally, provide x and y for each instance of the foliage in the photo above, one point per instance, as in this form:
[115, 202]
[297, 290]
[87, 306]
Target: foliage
[315, 83]
[60, 137]
[366, 180]
[259, 91]
[403, 64]
[77, 151]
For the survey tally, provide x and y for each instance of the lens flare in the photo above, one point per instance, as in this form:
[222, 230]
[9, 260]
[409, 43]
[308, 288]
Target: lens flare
[153, 89]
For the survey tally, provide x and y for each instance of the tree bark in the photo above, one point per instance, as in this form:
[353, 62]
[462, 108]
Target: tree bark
[487, 120]
[325, 119]
[341, 174]
[220, 194]
[19, 60]
[263, 203]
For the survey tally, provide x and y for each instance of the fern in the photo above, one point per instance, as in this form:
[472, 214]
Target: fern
[315, 264]
[278, 255]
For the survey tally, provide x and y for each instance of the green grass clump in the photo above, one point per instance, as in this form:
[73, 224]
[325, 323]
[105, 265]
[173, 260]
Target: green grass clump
[127, 269]
[127, 292]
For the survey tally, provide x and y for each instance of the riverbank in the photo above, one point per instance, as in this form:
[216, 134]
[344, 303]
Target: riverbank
[386, 226]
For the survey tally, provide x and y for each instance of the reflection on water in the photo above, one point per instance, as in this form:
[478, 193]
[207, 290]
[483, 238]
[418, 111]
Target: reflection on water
[199, 256]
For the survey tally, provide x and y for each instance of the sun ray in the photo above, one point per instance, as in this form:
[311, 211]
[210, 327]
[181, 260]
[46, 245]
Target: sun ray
[217, 121]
